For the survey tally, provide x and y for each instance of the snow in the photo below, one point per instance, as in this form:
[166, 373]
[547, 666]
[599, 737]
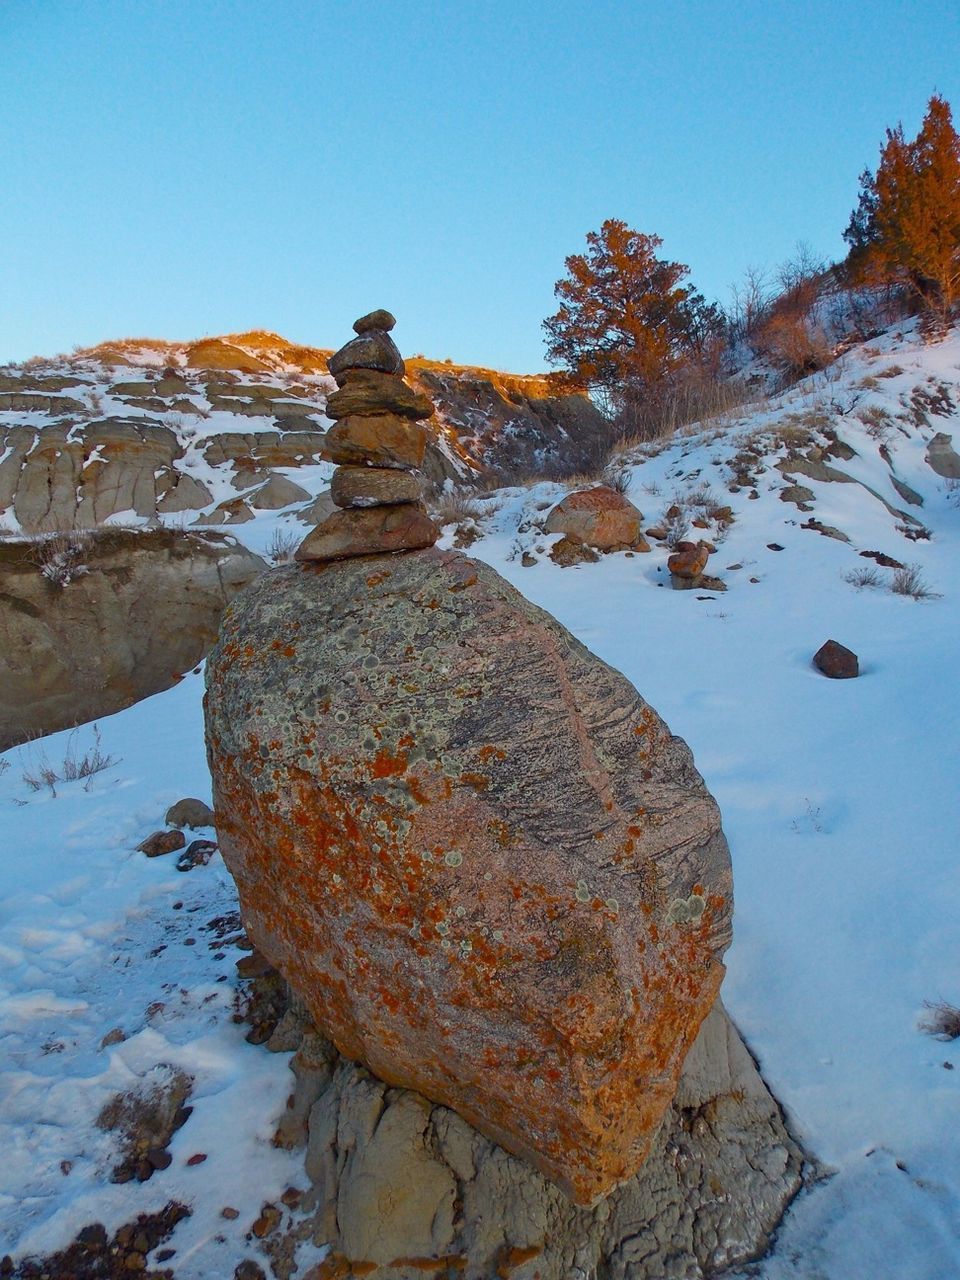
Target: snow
[839, 800]
[81, 919]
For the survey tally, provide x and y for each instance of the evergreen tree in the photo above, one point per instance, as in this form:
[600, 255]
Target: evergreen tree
[627, 318]
[907, 222]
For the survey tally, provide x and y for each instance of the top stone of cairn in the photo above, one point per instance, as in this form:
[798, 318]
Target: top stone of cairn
[379, 319]
[372, 348]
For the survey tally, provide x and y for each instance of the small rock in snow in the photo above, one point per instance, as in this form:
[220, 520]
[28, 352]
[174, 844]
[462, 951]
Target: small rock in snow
[836, 661]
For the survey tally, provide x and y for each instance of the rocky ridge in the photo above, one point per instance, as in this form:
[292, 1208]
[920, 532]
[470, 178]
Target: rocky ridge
[216, 431]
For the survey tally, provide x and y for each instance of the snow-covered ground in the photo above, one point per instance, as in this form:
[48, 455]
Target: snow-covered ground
[840, 802]
[95, 936]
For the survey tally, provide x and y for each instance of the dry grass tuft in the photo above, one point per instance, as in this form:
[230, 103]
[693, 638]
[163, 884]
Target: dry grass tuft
[282, 545]
[456, 506]
[618, 479]
[74, 768]
[909, 581]
[865, 576]
[60, 556]
[695, 401]
[942, 1020]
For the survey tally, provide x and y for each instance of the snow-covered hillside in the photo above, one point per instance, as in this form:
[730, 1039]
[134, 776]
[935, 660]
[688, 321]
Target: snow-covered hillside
[839, 799]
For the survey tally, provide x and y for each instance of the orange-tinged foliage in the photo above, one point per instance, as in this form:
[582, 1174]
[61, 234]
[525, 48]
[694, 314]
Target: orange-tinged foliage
[907, 224]
[626, 316]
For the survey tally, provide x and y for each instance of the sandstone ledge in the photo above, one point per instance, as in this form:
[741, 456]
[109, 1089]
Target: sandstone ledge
[402, 1189]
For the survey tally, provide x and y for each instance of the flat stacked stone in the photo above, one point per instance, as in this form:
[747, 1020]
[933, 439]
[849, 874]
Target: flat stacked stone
[377, 441]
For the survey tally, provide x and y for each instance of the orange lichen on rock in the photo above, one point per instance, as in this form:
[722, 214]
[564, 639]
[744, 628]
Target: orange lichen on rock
[516, 903]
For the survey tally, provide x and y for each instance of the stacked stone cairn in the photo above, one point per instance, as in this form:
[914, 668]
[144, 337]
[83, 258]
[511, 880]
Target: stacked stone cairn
[378, 442]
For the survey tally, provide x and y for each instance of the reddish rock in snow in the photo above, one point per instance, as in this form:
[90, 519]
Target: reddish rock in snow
[162, 842]
[600, 517]
[689, 560]
[483, 861]
[571, 551]
[836, 661]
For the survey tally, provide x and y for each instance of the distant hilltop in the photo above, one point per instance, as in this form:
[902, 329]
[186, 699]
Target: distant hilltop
[260, 351]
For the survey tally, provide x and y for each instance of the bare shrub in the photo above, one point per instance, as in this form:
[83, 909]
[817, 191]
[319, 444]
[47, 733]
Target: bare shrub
[696, 394]
[867, 576]
[92, 761]
[74, 768]
[282, 545]
[618, 479]
[704, 502]
[677, 527]
[795, 345]
[787, 331]
[942, 1020]
[60, 556]
[909, 581]
[751, 300]
[455, 506]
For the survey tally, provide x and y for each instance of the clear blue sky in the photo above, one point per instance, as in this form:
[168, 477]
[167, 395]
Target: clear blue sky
[175, 168]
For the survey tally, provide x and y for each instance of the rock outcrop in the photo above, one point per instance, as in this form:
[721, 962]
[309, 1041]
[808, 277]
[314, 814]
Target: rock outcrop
[61, 476]
[90, 623]
[477, 853]
[138, 439]
[942, 456]
[401, 1188]
[509, 425]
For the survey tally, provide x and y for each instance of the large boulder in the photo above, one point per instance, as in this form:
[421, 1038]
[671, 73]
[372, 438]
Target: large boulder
[599, 517]
[92, 622]
[480, 857]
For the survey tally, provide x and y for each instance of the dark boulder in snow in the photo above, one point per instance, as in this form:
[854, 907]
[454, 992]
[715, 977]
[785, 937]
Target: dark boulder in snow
[836, 661]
